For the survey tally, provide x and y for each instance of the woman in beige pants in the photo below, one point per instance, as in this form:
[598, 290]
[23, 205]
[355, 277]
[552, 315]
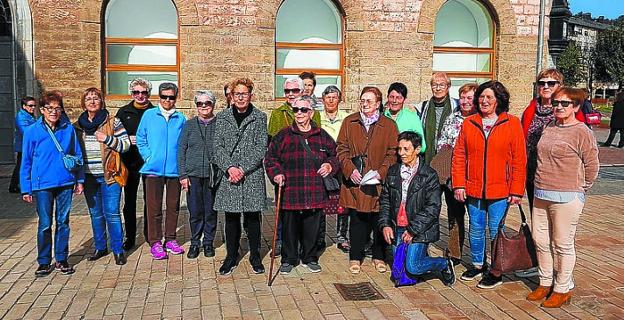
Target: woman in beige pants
[567, 165]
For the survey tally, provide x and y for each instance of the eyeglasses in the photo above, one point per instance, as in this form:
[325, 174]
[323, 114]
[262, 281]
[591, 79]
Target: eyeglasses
[364, 102]
[202, 104]
[52, 109]
[550, 83]
[93, 99]
[137, 92]
[302, 109]
[438, 86]
[289, 91]
[240, 94]
[563, 103]
[165, 97]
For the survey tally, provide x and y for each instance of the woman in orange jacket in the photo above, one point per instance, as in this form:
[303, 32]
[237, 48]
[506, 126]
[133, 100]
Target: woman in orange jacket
[488, 171]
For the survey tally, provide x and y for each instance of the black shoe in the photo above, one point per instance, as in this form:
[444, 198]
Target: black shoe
[227, 267]
[448, 274]
[193, 252]
[128, 245]
[43, 270]
[258, 269]
[64, 267]
[120, 259]
[98, 254]
[490, 281]
[209, 251]
[286, 268]
[278, 248]
[473, 273]
[604, 144]
[456, 261]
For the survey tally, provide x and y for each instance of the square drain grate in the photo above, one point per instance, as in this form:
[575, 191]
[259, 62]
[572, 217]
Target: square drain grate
[362, 291]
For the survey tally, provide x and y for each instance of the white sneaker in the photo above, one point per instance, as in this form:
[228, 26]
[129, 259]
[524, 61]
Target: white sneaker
[531, 272]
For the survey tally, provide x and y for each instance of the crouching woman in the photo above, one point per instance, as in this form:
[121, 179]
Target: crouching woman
[410, 209]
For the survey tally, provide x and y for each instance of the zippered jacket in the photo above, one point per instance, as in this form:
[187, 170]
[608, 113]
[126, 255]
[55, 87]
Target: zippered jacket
[23, 120]
[157, 140]
[492, 167]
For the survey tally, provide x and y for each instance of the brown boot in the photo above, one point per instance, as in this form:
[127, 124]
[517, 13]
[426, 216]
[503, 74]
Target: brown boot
[556, 300]
[539, 293]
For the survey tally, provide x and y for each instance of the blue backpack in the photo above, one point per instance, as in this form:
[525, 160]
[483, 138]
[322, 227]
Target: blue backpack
[399, 274]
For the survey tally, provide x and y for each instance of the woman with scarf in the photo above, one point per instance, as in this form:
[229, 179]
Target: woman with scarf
[366, 147]
[102, 137]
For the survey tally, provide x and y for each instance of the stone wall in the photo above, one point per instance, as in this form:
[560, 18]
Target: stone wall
[385, 40]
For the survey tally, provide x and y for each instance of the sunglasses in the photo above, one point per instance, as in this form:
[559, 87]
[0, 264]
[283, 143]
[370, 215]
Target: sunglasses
[302, 109]
[295, 91]
[562, 103]
[550, 83]
[164, 97]
[31, 105]
[137, 92]
[207, 104]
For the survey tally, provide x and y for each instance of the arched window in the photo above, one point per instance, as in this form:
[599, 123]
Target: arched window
[464, 43]
[308, 37]
[141, 40]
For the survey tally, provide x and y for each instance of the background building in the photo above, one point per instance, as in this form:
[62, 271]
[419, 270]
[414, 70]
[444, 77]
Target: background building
[70, 45]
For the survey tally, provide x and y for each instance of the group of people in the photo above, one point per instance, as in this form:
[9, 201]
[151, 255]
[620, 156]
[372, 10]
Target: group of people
[388, 164]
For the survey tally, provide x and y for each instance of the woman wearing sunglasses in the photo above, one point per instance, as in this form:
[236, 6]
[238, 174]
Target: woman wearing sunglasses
[567, 166]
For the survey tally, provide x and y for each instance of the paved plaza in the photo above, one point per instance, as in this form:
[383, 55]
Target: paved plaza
[192, 289]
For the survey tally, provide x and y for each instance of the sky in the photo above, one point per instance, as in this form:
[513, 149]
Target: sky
[609, 8]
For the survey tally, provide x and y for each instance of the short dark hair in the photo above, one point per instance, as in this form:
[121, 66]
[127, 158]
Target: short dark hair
[167, 86]
[412, 137]
[400, 88]
[500, 92]
[308, 75]
[51, 96]
[24, 101]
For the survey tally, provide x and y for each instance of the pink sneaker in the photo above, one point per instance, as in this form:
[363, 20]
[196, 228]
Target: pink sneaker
[158, 252]
[173, 247]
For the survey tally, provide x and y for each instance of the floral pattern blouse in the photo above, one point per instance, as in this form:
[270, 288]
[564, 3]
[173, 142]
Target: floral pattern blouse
[450, 130]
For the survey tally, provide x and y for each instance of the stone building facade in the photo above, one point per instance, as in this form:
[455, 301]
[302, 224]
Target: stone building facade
[382, 41]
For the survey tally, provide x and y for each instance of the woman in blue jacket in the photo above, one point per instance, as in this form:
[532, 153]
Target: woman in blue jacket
[24, 118]
[43, 175]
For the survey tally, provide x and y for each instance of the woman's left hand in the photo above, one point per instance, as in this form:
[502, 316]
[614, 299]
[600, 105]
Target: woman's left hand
[407, 237]
[78, 188]
[100, 137]
[325, 169]
[514, 200]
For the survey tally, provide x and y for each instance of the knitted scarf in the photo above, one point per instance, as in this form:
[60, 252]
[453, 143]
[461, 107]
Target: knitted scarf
[431, 134]
[90, 126]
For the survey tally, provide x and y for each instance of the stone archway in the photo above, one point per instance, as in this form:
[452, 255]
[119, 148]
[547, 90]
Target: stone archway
[501, 10]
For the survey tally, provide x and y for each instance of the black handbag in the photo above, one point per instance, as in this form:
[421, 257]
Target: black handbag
[330, 182]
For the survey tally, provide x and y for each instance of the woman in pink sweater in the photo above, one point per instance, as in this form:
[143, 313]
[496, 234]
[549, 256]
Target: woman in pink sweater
[567, 165]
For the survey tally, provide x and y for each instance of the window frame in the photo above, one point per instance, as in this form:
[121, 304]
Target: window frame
[106, 67]
[472, 50]
[340, 72]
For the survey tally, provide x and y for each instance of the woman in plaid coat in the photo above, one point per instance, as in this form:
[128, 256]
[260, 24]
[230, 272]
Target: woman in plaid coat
[298, 158]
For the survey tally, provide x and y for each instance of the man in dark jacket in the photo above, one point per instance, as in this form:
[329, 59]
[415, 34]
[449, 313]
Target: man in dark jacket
[410, 209]
[130, 116]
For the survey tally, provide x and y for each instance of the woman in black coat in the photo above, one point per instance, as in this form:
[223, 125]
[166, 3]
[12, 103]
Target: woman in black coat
[410, 209]
[617, 120]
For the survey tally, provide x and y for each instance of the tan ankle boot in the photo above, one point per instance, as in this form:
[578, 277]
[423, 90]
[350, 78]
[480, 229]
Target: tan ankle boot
[539, 293]
[556, 300]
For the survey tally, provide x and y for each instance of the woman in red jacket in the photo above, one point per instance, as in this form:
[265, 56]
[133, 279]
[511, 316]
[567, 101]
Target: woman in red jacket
[488, 171]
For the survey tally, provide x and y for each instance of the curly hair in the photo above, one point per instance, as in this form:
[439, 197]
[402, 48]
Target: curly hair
[242, 81]
[500, 92]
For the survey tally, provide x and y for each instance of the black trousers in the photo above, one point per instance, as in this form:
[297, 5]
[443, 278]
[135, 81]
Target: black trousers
[300, 228]
[129, 209]
[202, 218]
[612, 133]
[14, 186]
[342, 227]
[322, 230]
[456, 212]
[233, 234]
[361, 224]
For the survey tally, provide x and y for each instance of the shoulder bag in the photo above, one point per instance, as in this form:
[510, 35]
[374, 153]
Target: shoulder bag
[113, 165]
[511, 253]
[215, 175]
[330, 181]
[71, 162]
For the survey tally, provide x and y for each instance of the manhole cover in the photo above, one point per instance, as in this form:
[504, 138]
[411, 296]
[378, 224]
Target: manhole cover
[358, 291]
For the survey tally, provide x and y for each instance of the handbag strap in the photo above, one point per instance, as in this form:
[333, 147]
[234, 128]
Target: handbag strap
[56, 143]
[522, 216]
[306, 147]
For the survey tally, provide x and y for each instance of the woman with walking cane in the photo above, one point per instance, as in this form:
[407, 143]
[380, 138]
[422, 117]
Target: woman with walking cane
[298, 159]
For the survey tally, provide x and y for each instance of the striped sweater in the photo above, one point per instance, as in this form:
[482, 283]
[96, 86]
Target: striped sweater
[92, 152]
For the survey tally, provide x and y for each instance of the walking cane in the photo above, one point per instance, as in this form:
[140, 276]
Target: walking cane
[277, 210]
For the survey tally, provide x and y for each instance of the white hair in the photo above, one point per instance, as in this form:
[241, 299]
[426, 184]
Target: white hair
[296, 80]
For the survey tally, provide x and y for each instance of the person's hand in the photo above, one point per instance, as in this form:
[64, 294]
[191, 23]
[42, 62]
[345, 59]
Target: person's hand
[78, 188]
[356, 177]
[100, 136]
[514, 200]
[460, 195]
[234, 174]
[388, 234]
[325, 170]
[185, 183]
[27, 198]
[279, 179]
[407, 237]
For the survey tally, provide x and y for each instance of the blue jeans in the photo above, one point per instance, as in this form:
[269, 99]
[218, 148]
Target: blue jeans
[418, 261]
[45, 200]
[478, 211]
[103, 202]
[202, 217]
